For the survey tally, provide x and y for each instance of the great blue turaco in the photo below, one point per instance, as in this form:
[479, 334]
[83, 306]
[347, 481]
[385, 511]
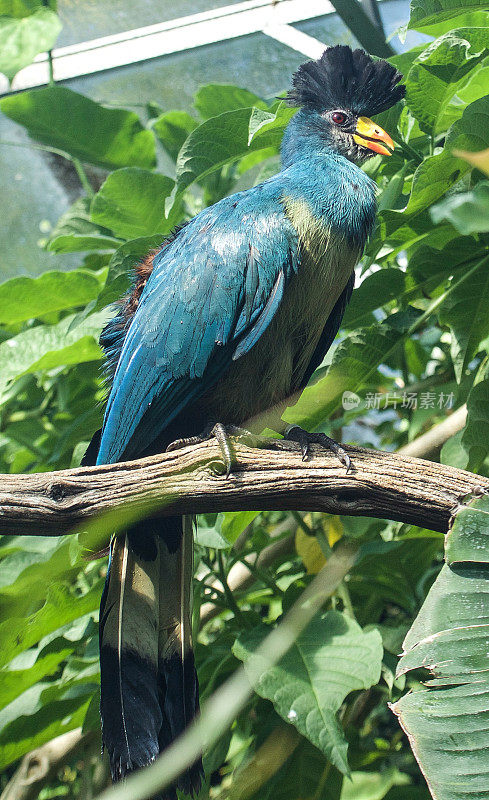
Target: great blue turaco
[230, 316]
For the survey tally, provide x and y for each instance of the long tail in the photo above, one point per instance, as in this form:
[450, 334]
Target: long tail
[149, 690]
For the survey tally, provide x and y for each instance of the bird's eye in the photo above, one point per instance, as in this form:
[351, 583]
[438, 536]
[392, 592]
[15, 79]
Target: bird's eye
[338, 117]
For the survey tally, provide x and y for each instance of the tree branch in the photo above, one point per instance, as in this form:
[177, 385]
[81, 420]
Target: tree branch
[191, 481]
[430, 443]
[41, 765]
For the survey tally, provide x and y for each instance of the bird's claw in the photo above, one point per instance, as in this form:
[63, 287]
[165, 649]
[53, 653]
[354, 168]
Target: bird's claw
[296, 434]
[222, 434]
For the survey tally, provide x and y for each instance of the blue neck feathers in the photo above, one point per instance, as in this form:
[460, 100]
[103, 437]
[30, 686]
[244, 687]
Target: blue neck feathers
[337, 191]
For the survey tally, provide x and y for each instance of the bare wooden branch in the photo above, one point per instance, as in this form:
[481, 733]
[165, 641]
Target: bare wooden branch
[431, 442]
[191, 480]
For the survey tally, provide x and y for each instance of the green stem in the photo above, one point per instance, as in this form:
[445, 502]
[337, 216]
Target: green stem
[301, 524]
[262, 575]
[344, 595]
[83, 176]
[440, 300]
[323, 543]
[233, 606]
[409, 151]
[32, 146]
[51, 67]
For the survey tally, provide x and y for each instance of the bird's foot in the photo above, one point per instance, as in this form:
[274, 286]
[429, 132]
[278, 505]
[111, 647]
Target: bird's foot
[305, 439]
[222, 433]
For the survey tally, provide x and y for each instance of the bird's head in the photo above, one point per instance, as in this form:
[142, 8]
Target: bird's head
[340, 92]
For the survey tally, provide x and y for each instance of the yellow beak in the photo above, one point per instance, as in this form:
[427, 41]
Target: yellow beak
[369, 134]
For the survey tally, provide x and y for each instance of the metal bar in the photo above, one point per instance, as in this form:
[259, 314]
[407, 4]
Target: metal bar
[297, 40]
[165, 38]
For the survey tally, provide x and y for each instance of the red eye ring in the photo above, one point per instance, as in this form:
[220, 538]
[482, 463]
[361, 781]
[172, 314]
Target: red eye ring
[338, 117]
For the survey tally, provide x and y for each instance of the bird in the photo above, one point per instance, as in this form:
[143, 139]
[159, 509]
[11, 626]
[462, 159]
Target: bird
[230, 316]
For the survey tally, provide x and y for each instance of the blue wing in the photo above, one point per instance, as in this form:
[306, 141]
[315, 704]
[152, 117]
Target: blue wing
[213, 291]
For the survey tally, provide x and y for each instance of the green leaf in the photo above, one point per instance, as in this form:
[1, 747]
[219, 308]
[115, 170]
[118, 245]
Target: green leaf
[172, 128]
[131, 203]
[24, 8]
[217, 98]
[468, 330]
[453, 453]
[330, 659]
[376, 290]
[26, 575]
[39, 664]
[468, 537]
[122, 267]
[372, 785]
[225, 139]
[75, 232]
[29, 731]
[22, 38]
[62, 606]
[440, 172]
[470, 19]
[49, 346]
[302, 776]
[355, 361]
[468, 212]
[452, 72]
[447, 721]
[431, 12]
[475, 437]
[26, 298]
[60, 118]
[234, 523]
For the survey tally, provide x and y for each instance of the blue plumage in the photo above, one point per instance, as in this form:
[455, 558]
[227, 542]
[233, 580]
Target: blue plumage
[228, 318]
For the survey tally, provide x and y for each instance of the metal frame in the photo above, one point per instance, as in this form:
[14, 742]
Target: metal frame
[185, 33]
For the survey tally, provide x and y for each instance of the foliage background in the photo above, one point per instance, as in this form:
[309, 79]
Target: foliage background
[418, 323]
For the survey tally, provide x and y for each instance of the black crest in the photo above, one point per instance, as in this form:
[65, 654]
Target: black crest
[346, 78]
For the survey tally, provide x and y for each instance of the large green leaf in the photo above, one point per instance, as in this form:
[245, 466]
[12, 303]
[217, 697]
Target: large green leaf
[372, 785]
[429, 12]
[26, 298]
[131, 203]
[475, 437]
[31, 667]
[468, 211]
[225, 139]
[428, 268]
[451, 73]
[49, 346]
[61, 118]
[62, 606]
[355, 361]
[75, 232]
[172, 128]
[438, 173]
[331, 658]
[22, 38]
[468, 330]
[301, 776]
[447, 721]
[29, 730]
[217, 98]
[467, 541]
[376, 290]
[24, 8]
[26, 575]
